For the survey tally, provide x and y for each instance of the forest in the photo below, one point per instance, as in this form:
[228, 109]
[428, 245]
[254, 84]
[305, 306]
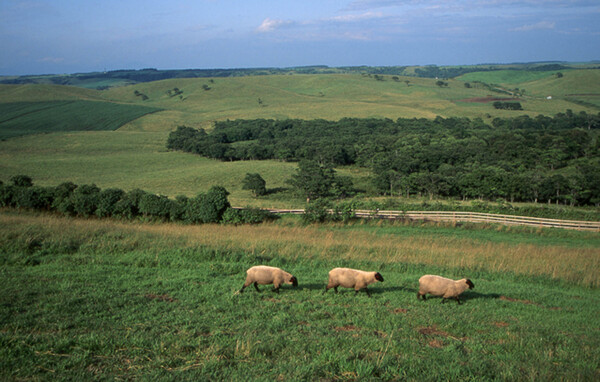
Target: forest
[539, 159]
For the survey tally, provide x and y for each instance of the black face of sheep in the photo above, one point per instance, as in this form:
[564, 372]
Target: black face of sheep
[470, 284]
[378, 277]
[294, 281]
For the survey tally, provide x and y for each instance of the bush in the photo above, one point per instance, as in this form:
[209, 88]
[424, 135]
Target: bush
[317, 211]
[107, 200]
[246, 216]
[209, 207]
[21, 181]
[7, 192]
[85, 199]
[158, 206]
[34, 197]
[508, 105]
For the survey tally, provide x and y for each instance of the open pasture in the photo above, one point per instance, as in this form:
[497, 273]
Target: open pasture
[95, 299]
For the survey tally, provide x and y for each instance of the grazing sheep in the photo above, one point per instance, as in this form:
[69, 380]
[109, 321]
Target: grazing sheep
[441, 286]
[352, 278]
[263, 275]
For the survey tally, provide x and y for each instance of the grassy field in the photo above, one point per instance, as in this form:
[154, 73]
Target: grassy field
[27, 118]
[134, 156]
[91, 299]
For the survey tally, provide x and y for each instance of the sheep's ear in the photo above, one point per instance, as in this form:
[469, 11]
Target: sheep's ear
[378, 277]
[470, 284]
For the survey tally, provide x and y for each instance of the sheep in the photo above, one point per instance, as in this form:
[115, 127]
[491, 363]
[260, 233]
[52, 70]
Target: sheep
[352, 278]
[262, 274]
[441, 286]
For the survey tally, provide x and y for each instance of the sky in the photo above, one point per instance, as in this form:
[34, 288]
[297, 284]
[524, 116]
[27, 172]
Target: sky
[71, 36]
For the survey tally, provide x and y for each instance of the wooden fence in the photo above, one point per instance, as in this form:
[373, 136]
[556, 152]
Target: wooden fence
[472, 217]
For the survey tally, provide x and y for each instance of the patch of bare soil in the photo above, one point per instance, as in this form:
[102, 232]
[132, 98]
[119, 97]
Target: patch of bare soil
[160, 297]
[345, 328]
[433, 331]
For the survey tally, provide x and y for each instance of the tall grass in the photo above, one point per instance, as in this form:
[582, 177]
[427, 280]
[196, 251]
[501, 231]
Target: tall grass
[573, 260]
[98, 299]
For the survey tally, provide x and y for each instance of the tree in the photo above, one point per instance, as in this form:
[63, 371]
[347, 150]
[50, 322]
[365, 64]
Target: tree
[255, 183]
[312, 180]
[209, 207]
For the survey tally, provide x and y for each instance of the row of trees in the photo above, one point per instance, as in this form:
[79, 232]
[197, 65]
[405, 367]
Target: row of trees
[519, 159]
[89, 200]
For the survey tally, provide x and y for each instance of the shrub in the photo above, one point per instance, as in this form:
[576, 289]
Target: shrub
[21, 181]
[317, 211]
[129, 206]
[7, 192]
[246, 216]
[107, 200]
[34, 197]
[209, 207]
[158, 206]
[85, 199]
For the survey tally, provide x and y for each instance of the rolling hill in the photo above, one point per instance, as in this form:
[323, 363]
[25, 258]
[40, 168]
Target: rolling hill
[134, 155]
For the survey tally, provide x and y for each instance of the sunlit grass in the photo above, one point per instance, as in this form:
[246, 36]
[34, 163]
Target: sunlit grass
[87, 299]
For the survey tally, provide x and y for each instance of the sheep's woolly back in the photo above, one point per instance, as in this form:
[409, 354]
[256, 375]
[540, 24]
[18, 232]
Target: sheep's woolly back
[264, 274]
[350, 278]
[441, 286]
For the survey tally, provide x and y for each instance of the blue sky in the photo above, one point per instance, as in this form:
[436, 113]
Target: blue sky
[67, 36]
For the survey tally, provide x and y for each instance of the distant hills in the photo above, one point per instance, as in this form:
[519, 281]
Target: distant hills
[107, 79]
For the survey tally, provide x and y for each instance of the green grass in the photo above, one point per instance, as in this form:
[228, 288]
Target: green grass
[508, 77]
[134, 156]
[26, 118]
[102, 300]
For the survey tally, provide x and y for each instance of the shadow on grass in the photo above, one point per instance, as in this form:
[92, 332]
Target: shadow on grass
[276, 190]
[465, 296]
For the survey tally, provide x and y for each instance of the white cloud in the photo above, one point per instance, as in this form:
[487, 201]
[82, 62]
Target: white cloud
[269, 25]
[360, 17]
[536, 26]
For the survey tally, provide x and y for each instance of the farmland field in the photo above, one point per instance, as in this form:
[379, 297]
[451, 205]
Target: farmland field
[26, 118]
[92, 299]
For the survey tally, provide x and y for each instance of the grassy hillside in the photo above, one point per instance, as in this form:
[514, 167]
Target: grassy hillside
[134, 156]
[90, 299]
[577, 86]
[316, 96]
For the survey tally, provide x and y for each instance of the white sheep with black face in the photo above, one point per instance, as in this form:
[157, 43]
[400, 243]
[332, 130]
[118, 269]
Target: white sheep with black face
[352, 278]
[441, 286]
[264, 275]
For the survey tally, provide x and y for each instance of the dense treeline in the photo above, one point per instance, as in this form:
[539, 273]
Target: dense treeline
[551, 159]
[89, 200]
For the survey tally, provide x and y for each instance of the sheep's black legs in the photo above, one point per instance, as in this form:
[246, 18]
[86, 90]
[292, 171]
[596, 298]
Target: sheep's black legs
[276, 290]
[242, 290]
[256, 286]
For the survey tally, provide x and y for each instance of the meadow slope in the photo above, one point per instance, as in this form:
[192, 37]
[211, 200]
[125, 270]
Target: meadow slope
[134, 156]
[99, 299]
